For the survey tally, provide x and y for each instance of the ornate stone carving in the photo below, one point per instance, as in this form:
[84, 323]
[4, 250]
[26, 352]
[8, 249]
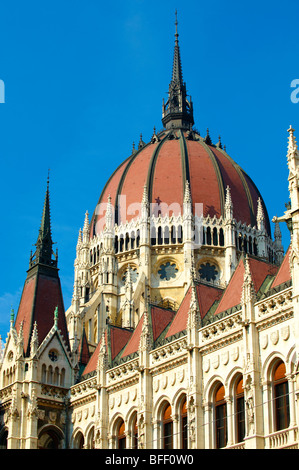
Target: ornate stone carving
[249, 403]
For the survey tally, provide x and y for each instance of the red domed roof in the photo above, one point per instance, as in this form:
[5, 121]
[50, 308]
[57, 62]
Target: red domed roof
[164, 165]
[177, 155]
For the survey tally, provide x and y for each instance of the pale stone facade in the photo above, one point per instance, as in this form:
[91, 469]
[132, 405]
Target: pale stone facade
[188, 322]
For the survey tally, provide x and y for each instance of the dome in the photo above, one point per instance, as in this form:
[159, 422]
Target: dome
[173, 157]
[164, 165]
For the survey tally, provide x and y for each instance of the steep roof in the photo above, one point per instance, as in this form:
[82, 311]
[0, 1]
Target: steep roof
[232, 294]
[284, 272]
[41, 295]
[206, 297]
[83, 349]
[116, 338]
[42, 290]
[159, 319]
[122, 343]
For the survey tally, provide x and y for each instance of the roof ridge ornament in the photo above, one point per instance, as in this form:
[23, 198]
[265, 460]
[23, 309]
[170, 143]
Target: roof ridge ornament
[141, 143]
[155, 137]
[219, 144]
[208, 139]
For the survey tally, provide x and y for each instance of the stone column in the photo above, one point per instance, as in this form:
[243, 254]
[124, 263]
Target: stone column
[101, 428]
[252, 370]
[13, 422]
[267, 403]
[208, 426]
[156, 442]
[291, 383]
[176, 431]
[230, 420]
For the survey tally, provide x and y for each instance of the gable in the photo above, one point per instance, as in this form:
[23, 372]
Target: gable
[54, 341]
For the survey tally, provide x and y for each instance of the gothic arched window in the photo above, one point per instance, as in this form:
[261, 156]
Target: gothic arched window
[281, 397]
[184, 425]
[240, 411]
[220, 417]
[121, 435]
[167, 428]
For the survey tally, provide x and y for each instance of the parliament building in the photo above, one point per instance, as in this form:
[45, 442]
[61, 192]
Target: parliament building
[183, 329]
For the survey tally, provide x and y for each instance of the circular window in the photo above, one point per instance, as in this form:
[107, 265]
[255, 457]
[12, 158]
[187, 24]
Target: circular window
[53, 355]
[168, 271]
[209, 272]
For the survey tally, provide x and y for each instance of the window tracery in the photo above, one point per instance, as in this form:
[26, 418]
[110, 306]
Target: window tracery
[168, 271]
[208, 272]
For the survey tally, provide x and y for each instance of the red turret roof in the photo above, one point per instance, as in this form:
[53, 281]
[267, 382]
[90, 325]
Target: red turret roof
[42, 290]
[41, 295]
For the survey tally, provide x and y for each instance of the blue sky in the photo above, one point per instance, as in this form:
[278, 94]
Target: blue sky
[84, 79]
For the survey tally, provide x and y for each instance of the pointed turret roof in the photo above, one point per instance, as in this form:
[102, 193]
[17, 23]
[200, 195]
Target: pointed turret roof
[42, 294]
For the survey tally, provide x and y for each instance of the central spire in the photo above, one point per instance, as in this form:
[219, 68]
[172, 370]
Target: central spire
[177, 112]
[44, 245]
[177, 74]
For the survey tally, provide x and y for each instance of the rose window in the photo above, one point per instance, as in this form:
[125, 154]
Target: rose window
[208, 272]
[53, 356]
[168, 271]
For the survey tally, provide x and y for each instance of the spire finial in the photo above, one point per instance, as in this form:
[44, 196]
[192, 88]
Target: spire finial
[176, 26]
[86, 222]
[208, 139]
[260, 217]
